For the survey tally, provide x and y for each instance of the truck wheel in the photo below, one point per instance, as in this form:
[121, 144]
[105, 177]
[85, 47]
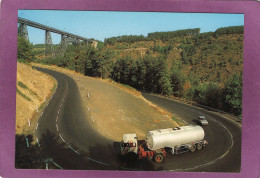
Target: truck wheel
[158, 158]
[199, 146]
[192, 148]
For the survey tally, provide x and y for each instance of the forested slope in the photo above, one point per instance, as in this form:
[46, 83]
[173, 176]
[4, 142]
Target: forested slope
[203, 67]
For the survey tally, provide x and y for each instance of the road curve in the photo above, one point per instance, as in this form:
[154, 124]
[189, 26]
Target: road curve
[64, 131]
[65, 134]
[222, 154]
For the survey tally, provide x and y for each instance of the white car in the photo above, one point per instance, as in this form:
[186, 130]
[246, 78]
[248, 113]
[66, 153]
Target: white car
[202, 120]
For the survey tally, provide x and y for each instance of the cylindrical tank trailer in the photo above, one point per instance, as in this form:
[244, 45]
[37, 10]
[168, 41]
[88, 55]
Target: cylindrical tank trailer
[178, 139]
[173, 137]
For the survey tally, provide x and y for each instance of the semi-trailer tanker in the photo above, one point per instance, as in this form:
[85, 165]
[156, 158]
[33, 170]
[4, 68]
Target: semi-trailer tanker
[176, 140]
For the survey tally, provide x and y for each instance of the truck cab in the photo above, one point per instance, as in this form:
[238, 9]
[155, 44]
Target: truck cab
[129, 144]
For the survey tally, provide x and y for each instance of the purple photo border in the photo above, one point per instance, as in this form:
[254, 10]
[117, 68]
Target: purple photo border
[250, 163]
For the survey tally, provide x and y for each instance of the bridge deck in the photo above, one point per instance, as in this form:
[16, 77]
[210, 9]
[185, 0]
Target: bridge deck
[54, 30]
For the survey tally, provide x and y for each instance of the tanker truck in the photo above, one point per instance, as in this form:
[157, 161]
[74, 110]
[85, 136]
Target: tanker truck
[175, 140]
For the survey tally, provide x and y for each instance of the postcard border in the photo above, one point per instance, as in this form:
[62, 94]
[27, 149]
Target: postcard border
[251, 80]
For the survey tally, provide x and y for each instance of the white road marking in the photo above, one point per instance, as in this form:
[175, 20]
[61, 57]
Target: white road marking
[57, 127]
[74, 150]
[37, 126]
[38, 142]
[92, 118]
[61, 138]
[57, 118]
[215, 160]
[185, 122]
[175, 114]
[29, 123]
[56, 164]
[27, 142]
[98, 161]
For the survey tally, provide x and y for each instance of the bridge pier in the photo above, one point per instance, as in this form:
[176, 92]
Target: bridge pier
[48, 42]
[22, 31]
[63, 41]
[63, 44]
[48, 39]
[63, 38]
[77, 41]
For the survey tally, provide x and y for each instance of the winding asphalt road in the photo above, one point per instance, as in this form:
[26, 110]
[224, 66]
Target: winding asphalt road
[222, 154]
[65, 134]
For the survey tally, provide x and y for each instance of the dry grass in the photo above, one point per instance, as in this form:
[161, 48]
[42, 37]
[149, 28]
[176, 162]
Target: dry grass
[178, 121]
[33, 89]
[123, 87]
[111, 108]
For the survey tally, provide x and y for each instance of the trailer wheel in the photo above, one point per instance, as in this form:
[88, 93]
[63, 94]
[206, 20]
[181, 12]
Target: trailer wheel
[172, 151]
[158, 158]
[192, 148]
[199, 146]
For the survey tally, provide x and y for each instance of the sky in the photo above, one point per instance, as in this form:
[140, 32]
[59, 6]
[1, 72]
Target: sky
[103, 24]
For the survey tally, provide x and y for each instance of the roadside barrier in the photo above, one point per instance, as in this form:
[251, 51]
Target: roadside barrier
[237, 119]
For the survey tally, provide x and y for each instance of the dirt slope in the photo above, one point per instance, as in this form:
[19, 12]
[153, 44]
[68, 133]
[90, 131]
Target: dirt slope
[116, 109]
[33, 88]
[116, 112]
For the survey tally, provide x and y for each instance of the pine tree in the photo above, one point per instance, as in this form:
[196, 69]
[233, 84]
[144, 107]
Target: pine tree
[233, 95]
[177, 81]
[24, 50]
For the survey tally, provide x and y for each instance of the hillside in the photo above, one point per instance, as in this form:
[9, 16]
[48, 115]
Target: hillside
[33, 89]
[203, 67]
[208, 59]
[111, 105]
